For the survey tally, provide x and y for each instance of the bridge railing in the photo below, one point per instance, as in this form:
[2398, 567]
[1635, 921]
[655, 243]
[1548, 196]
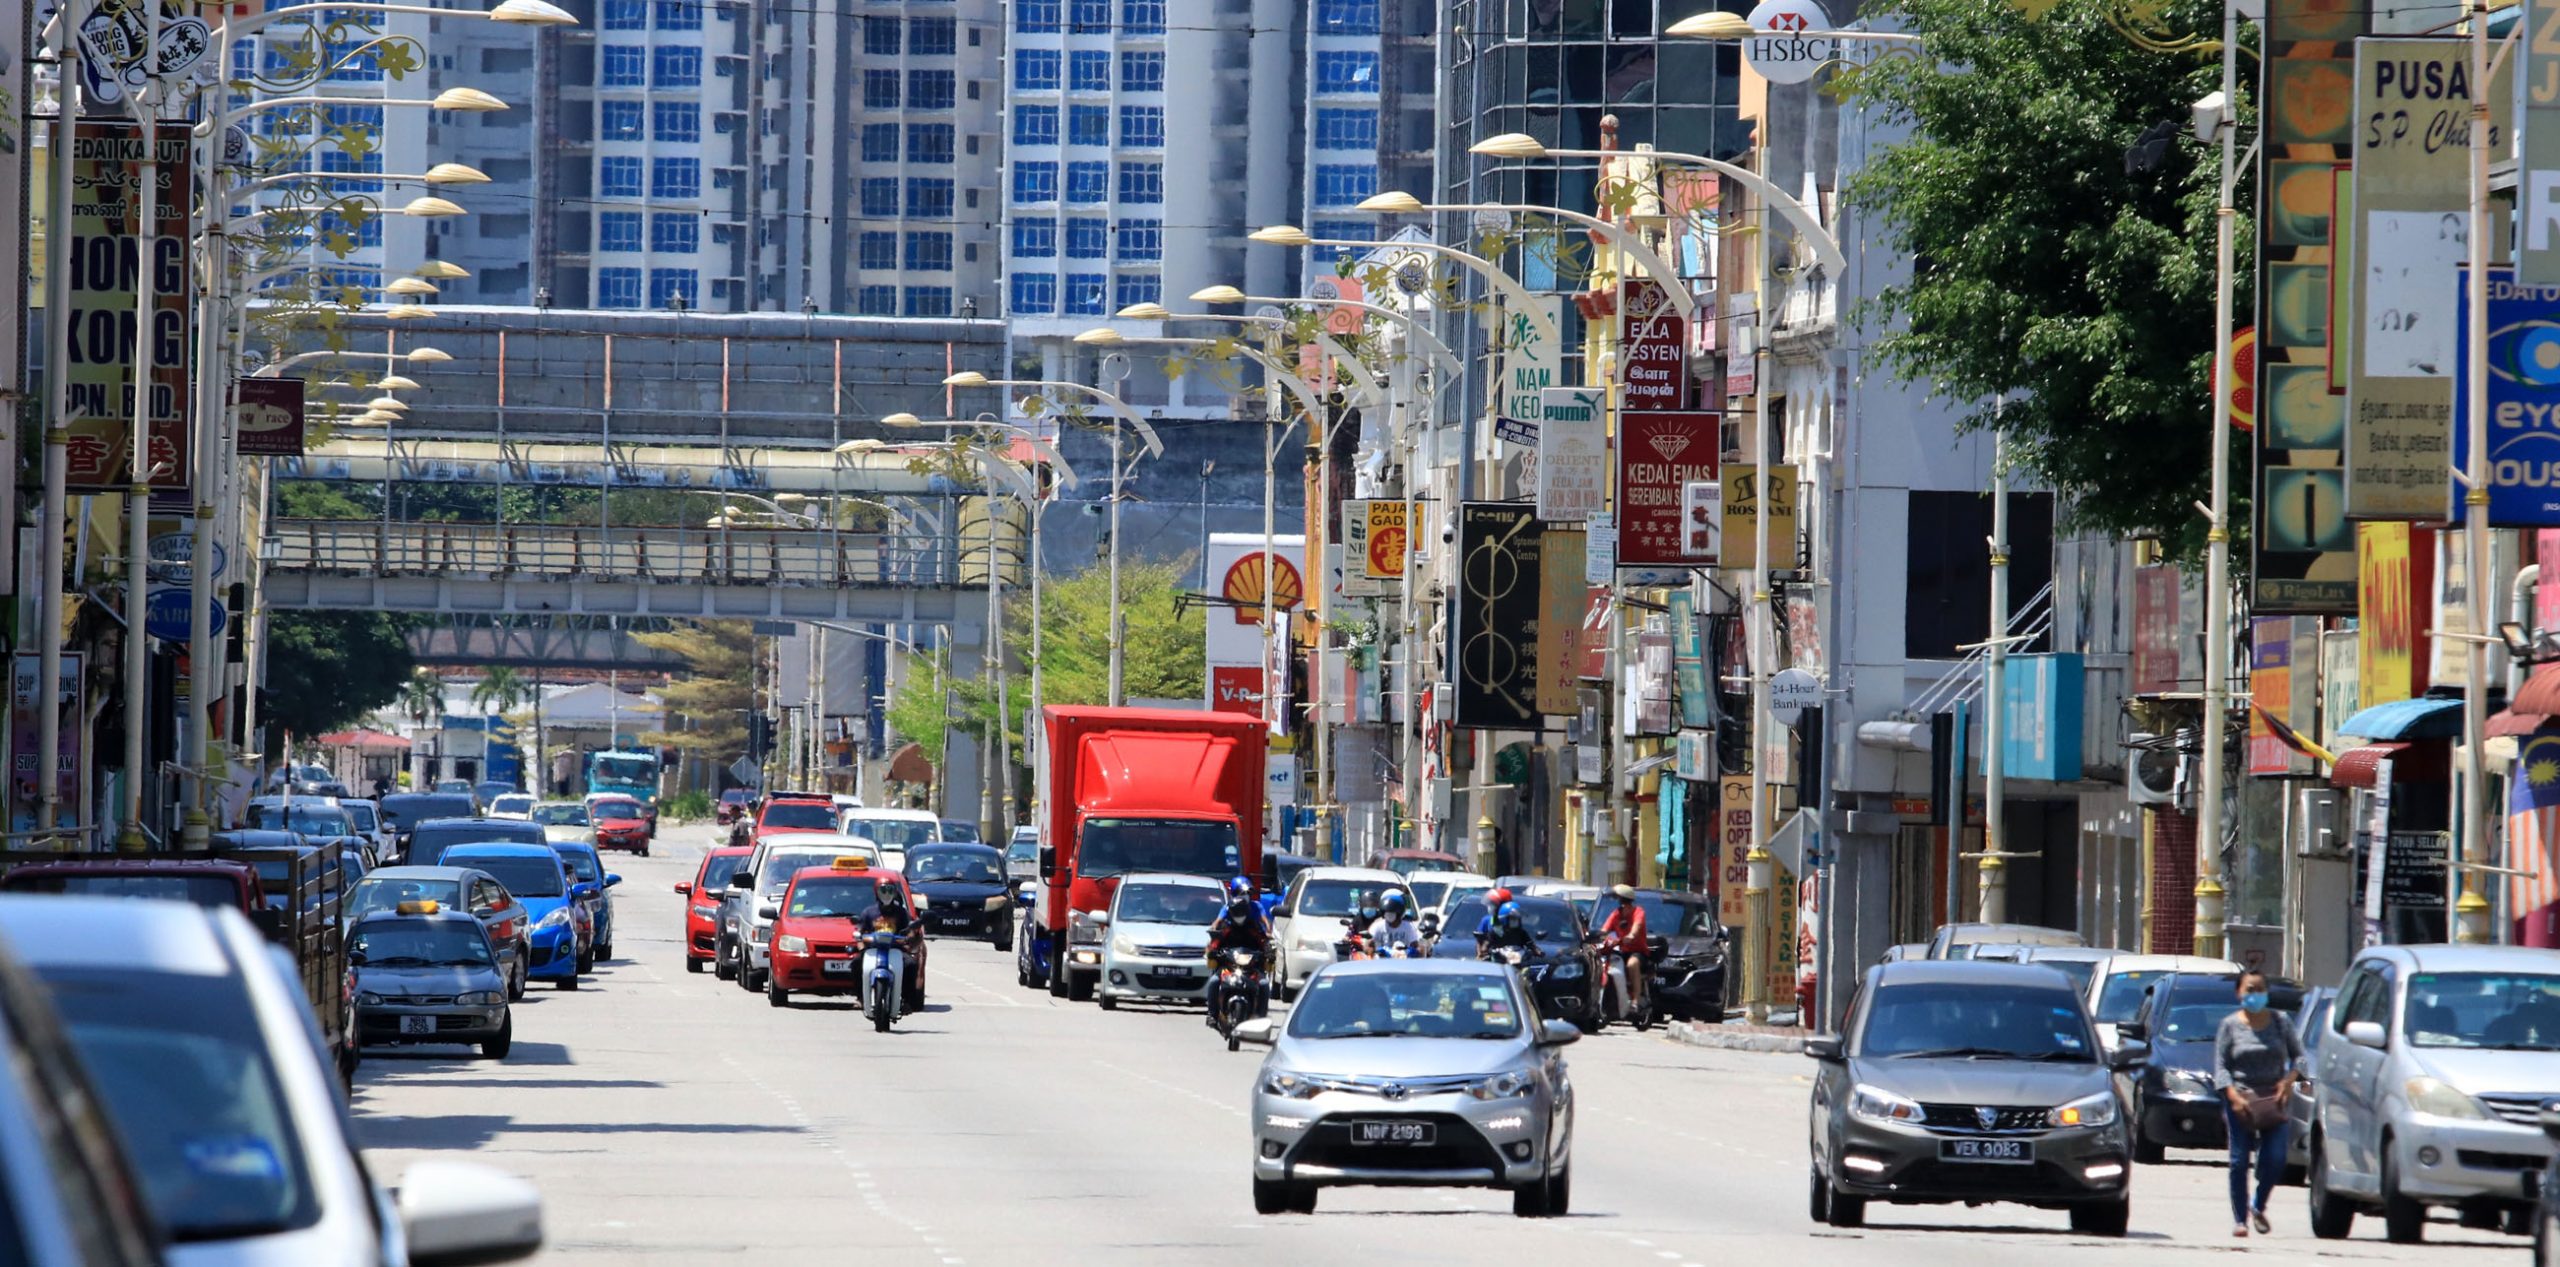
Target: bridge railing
[750, 556]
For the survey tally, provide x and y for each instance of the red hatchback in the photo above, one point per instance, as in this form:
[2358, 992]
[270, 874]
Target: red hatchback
[702, 905]
[813, 935]
[620, 823]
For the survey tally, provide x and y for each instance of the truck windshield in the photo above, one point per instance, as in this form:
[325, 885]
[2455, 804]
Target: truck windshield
[1185, 846]
[626, 769]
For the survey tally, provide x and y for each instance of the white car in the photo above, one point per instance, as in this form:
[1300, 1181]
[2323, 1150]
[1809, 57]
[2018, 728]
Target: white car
[1309, 919]
[2116, 985]
[1434, 892]
[565, 822]
[895, 831]
[515, 805]
[1157, 937]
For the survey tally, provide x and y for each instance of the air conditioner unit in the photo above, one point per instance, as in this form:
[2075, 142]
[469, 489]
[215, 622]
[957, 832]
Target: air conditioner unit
[2154, 770]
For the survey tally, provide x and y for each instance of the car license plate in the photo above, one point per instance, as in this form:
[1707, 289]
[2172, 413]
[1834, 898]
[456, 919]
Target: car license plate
[836, 967]
[2008, 1151]
[951, 921]
[1415, 1133]
[417, 1025]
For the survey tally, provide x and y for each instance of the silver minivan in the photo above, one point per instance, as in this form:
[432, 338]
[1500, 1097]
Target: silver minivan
[2431, 1082]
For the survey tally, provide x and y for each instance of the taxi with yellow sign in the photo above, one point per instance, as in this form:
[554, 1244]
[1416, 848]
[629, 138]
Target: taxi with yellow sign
[816, 944]
[427, 974]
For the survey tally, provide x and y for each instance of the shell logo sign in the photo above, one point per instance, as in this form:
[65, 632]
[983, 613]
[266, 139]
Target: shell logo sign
[1244, 584]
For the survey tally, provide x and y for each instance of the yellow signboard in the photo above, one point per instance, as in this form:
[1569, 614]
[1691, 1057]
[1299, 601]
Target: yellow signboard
[1389, 535]
[1742, 505]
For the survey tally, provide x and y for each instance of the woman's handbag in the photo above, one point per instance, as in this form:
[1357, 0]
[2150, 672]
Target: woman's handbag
[2261, 1112]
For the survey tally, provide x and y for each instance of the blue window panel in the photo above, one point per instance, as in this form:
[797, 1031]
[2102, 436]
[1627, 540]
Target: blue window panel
[879, 142]
[1089, 17]
[667, 285]
[624, 66]
[1035, 294]
[1090, 70]
[337, 162]
[1085, 293]
[679, 121]
[1035, 182]
[1088, 183]
[1035, 125]
[879, 197]
[1035, 237]
[353, 66]
[929, 198]
[879, 250]
[1036, 69]
[932, 89]
[675, 178]
[367, 234]
[1346, 17]
[933, 37]
[1340, 230]
[619, 121]
[1088, 125]
[1142, 71]
[931, 143]
[880, 89]
[618, 176]
[1141, 241]
[880, 36]
[1136, 288]
[928, 301]
[677, 66]
[364, 279]
[929, 252]
[1341, 129]
[617, 230]
[1142, 127]
[675, 232]
[625, 15]
[1347, 72]
[1142, 17]
[679, 15]
[1144, 182]
[1035, 17]
[1088, 239]
[617, 288]
[876, 301]
[1344, 185]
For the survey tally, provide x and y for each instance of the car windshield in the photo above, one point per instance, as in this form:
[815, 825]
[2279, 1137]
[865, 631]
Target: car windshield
[891, 833]
[806, 815]
[1417, 866]
[455, 785]
[201, 888]
[1337, 898]
[1547, 919]
[560, 815]
[310, 820]
[1663, 917]
[362, 814]
[831, 897]
[780, 867]
[406, 810]
[2509, 1011]
[1395, 1004]
[618, 807]
[736, 796]
[1167, 904]
[511, 803]
[523, 874]
[1986, 1021]
[625, 769]
[416, 943]
[960, 833]
[385, 894]
[965, 866]
[717, 869]
[2193, 1022]
[1115, 846]
[2121, 997]
[1022, 851]
[1426, 891]
[584, 864]
[192, 1086]
[2079, 970]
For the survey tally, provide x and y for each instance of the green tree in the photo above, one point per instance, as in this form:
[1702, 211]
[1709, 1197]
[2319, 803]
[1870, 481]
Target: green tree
[422, 696]
[716, 691]
[500, 689]
[2044, 269]
[332, 668]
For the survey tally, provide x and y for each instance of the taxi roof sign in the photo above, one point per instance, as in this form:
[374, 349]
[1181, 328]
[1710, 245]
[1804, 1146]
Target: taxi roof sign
[851, 862]
[422, 906]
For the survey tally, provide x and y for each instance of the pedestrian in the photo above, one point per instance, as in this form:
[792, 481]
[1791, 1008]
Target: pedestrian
[2253, 1066]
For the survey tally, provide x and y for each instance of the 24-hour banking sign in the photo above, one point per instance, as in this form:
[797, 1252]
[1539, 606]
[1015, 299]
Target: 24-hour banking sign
[2524, 402]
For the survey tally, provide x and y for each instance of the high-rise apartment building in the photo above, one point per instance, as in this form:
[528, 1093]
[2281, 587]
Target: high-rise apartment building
[1369, 121]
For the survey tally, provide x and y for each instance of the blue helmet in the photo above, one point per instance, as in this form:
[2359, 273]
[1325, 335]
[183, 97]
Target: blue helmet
[1508, 913]
[1395, 902]
[1238, 886]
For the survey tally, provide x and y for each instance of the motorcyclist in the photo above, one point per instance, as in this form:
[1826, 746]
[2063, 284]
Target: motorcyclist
[1240, 926]
[1623, 933]
[1391, 932]
[1493, 903]
[1509, 931]
[893, 916]
[1356, 943]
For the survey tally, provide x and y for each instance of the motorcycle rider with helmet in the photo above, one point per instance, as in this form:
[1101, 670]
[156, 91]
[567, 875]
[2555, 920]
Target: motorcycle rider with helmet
[1623, 934]
[1240, 926]
[1508, 932]
[1391, 933]
[1494, 899]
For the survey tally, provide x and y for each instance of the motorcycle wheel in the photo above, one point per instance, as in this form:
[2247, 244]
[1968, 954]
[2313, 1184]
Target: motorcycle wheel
[880, 1018]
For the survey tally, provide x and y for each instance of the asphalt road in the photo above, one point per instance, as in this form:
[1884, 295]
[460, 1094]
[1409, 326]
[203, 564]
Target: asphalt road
[670, 1118]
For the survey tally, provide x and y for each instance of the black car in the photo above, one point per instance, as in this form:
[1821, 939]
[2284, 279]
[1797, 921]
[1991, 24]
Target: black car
[2174, 1103]
[404, 810]
[1687, 944]
[428, 840]
[1969, 1081]
[1565, 972]
[961, 891]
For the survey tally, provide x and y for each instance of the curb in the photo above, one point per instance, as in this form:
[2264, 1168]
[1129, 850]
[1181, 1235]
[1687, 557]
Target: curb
[1735, 1038]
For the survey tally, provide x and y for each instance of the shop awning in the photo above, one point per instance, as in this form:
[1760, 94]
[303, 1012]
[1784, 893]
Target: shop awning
[2357, 767]
[2539, 694]
[2403, 720]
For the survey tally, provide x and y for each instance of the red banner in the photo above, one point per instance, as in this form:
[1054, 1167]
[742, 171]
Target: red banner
[1658, 453]
[1652, 349]
[1235, 688]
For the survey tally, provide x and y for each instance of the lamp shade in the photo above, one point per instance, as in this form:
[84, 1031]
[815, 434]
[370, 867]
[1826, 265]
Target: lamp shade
[398, 383]
[902, 420]
[456, 174]
[410, 286]
[1711, 26]
[1100, 337]
[966, 378]
[532, 13]
[441, 270]
[1281, 235]
[469, 99]
[1393, 202]
[391, 404]
[1146, 312]
[1509, 145]
[428, 356]
[1217, 295]
[430, 207]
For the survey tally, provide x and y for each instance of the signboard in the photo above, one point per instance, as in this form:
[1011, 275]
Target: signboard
[2155, 630]
[270, 416]
[1280, 778]
[2524, 404]
[2043, 697]
[1560, 603]
[1784, 54]
[1653, 356]
[1653, 685]
[1791, 691]
[17, 139]
[2538, 149]
[1388, 543]
[1340, 320]
[106, 268]
[1742, 505]
[2338, 698]
[1659, 454]
[2395, 568]
[1356, 581]
[116, 37]
[1494, 626]
[1693, 756]
[1733, 848]
[1600, 550]
[1236, 646]
[24, 790]
[1235, 688]
[1702, 520]
[1523, 432]
[2271, 689]
[168, 615]
[1573, 452]
[1531, 362]
[1689, 660]
[171, 556]
[1595, 634]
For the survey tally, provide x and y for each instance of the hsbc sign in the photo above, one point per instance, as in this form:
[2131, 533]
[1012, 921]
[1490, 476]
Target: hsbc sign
[1784, 54]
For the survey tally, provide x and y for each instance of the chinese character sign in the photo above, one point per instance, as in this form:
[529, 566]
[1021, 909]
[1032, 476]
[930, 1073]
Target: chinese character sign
[1573, 453]
[1659, 454]
[1531, 361]
[106, 269]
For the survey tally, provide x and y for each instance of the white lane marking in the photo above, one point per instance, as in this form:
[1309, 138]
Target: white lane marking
[864, 1183]
[1186, 1092]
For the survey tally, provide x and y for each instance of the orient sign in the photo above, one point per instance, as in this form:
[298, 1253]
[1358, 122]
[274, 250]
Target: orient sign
[1782, 53]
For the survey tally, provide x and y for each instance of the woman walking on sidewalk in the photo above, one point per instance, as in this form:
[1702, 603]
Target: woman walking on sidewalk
[2253, 1066]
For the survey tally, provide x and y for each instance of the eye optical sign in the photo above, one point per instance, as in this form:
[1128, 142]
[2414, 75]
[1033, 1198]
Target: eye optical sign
[2524, 403]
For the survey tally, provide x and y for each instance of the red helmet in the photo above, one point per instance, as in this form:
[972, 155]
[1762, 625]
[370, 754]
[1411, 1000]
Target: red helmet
[1497, 897]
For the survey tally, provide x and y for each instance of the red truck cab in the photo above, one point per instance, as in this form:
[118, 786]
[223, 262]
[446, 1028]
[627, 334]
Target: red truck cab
[1136, 789]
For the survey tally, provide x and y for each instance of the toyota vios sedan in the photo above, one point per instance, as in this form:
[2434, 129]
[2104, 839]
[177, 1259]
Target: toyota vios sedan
[1459, 1084]
[1971, 1081]
[428, 975]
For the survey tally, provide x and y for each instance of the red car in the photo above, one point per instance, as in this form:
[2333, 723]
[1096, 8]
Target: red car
[702, 907]
[813, 935]
[620, 823]
[795, 813]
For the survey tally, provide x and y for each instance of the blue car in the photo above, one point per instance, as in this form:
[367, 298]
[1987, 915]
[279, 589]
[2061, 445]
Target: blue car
[588, 867]
[543, 882]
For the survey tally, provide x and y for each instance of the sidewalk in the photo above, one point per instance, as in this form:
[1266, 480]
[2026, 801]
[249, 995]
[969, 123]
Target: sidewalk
[1738, 1035]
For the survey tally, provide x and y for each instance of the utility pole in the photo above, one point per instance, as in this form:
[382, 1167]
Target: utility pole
[57, 437]
[2471, 911]
[1995, 858]
[2217, 559]
[137, 507]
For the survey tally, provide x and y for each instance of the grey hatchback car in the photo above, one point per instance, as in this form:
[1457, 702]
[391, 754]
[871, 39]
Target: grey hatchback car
[1971, 1081]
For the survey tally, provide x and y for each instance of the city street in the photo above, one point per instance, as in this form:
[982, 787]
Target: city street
[670, 1117]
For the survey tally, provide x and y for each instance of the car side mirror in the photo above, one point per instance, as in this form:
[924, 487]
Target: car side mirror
[741, 882]
[1097, 918]
[2367, 1034]
[2131, 1031]
[584, 891]
[2128, 1053]
[1048, 862]
[682, 887]
[456, 1212]
[1259, 1031]
[611, 880]
[1557, 1033]
[768, 910]
[1825, 1047]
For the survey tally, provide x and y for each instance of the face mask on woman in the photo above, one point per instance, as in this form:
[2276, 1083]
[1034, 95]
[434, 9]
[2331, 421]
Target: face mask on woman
[2255, 1000]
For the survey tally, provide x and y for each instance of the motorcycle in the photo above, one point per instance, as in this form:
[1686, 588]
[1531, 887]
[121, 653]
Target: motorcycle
[884, 973]
[1354, 944]
[1239, 993]
[1617, 988]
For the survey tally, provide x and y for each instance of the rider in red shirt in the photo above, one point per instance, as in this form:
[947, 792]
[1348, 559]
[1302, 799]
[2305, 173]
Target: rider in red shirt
[1623, 933]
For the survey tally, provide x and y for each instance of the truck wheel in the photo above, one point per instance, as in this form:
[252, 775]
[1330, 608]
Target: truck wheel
[497, 1048]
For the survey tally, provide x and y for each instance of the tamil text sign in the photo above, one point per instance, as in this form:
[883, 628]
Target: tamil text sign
[1653, 357]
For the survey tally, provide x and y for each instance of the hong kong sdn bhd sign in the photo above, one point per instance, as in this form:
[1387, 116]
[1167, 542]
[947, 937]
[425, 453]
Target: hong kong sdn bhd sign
[2523, 354]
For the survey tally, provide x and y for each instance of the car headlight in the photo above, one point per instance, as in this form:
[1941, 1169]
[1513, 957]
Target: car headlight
[1568, 972]
[1123, 946]
[1084, 934]
[1289, 1085]
[706, 912]
[370, 999]
[558, 918]
[479, 998]
[791, 945]
[2091, 1110]
[1875, 1104]
[1501, 1086]
[2435, 1096]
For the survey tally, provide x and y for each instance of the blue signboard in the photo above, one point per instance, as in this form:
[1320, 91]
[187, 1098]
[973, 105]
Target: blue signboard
[2524, 402]
[2040, 721]
[165, 615]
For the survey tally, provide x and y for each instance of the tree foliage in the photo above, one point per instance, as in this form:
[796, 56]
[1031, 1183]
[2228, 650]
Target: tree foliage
[2042, 268]
[331, 668]
[716, 691]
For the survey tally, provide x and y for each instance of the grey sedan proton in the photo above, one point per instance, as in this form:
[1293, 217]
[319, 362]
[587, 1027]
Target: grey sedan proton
[1971, 1081]
[1412, 1073]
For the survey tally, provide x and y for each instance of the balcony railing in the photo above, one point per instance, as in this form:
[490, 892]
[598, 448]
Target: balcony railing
[674, 556]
